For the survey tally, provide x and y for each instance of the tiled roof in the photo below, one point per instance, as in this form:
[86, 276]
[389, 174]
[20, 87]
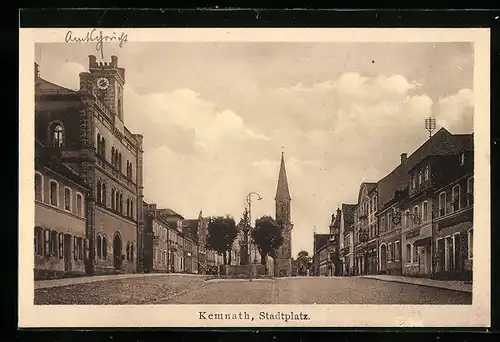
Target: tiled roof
[45, 87]
[51, 159]
[169, 212]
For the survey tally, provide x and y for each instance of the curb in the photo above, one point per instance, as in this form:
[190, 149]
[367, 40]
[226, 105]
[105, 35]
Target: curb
[425, 285]
[236, 280]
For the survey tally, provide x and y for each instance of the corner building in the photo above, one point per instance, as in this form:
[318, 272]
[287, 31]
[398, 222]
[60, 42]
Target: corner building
[87, 127]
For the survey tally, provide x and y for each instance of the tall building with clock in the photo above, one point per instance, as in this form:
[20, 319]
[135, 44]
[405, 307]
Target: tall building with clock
[283, 257]
[86, 130]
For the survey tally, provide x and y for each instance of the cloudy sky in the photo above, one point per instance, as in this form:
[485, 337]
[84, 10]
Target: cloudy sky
[216, 116]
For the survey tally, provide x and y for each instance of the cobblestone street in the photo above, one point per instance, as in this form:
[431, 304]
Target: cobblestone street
[179, 289]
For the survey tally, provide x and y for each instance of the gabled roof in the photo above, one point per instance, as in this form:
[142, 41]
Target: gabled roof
[348, 213]
[45, 87]
[370, 186]
[282, 191]
[320, 240]
[169, 212]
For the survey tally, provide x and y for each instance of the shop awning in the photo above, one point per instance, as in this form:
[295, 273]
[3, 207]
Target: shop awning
[423, 242]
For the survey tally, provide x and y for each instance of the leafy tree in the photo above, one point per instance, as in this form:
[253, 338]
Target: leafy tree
[303, 262]
[267, 236]
[221, 234]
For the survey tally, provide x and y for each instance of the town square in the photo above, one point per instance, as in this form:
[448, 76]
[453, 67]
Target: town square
[254, 173]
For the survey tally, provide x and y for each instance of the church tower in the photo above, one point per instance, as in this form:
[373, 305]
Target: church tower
[283, 258]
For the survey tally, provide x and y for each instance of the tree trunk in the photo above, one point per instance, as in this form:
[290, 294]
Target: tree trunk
[229, 257]
[224, 256]
[263, 259]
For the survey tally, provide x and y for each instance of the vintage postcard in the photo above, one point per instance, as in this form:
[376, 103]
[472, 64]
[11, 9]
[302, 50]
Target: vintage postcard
[254, 177]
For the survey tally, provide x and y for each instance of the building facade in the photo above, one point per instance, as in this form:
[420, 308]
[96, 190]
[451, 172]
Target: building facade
[61, 243]
[87, 128]
[346, 222]
[365, 234]
[453, 220]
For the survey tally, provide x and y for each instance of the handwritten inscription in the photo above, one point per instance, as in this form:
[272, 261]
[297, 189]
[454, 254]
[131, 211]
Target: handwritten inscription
[97, 37]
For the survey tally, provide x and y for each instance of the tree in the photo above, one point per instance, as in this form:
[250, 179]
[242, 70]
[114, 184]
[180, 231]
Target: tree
[267, 236]
[303, 263]
[221, 234]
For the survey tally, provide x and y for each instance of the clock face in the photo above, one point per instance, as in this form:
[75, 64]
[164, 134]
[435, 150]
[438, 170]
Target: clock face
[102, 83]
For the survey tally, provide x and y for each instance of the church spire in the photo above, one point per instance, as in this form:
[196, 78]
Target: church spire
[282, 192]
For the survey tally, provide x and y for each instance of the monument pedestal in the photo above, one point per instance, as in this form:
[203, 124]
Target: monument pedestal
[282, 267]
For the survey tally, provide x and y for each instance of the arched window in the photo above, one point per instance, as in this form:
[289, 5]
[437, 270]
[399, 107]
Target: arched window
[425, 211]
[408, 253]
[98, 144]
[128, 250]
[132, 251]
[113, 155]
[131, 208]
[57, 135]
[121, 203]
[104, 195]
[416, 214]
[38, 187]
[407, 218]
[119, 161]
[128, 207]
[98, 192]
[54, 193]
[79, 204]
[442, 204]
[99, 246]
[470, 191]
[415, 254]
[68, 199]
[104, 246]
[103, 147]
[455, 198]
[113, 199]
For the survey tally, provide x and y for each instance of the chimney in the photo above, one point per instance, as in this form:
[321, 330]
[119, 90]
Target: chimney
[338, 212]
[404, 156]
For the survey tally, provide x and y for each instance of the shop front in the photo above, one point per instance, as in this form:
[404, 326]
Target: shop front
[453, 239]
[389, 247]
[417, 255]
[372, 258]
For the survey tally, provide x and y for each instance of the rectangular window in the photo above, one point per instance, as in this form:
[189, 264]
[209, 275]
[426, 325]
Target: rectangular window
[53, 243]
[80, 248]
[425, 211]
[397, 251]
[67, 199]
[419, 177]
[408, 253]
[426, 173]
[38, 187]
[415, 254]
[46, 242]
[61, 245]
[390, 252]
[38, 241]
[75, 247]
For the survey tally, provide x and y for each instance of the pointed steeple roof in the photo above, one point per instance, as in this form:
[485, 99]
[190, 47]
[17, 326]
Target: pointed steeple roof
[282, 192]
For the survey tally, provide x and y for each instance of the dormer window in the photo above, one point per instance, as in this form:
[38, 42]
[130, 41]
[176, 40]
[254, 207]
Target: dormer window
[462, 158]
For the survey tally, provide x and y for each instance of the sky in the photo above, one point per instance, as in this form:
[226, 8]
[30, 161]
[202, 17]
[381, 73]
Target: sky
[216, 117]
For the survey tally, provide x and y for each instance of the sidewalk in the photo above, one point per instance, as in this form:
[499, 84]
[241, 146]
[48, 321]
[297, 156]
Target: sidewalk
[454, 285]
[43, 284]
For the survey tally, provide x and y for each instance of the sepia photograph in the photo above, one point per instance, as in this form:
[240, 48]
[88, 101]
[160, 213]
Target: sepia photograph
[250, 173]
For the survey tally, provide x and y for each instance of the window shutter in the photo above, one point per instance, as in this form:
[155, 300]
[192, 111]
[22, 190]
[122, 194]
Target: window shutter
[61, 245]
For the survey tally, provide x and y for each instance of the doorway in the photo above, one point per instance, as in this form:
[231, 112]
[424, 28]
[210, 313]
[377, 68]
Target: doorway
[422, 260]
[383, 258]
[67, 252]
[117, 252]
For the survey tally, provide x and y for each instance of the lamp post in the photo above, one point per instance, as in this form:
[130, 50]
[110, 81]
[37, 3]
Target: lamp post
[249, 202]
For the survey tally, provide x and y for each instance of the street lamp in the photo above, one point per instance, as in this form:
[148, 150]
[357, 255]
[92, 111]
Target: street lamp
[249, 202]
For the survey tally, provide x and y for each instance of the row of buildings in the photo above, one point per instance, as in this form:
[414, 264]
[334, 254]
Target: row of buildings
[90, 213]
[416, 221]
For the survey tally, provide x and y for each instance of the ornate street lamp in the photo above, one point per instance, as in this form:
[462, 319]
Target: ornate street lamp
[247, 228]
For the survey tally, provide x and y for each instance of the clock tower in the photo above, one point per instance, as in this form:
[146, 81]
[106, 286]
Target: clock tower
[106, 81]
[283, 257]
